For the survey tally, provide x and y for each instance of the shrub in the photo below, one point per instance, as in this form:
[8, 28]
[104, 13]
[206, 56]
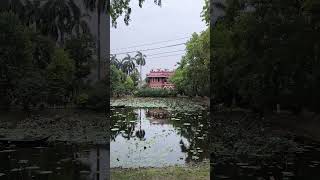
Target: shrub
[148, 92]
[97, 95]
[82, 100]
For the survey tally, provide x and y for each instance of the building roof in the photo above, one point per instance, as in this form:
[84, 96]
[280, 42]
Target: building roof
[160, 73]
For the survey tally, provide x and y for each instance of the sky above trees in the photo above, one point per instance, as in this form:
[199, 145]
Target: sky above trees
[176, 19]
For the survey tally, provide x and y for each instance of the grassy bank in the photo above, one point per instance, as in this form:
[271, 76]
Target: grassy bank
[200, 172]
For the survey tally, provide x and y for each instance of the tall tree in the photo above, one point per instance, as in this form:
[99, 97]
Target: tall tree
[59, 18]
[128, 64]
[100, 7]
[141, 61]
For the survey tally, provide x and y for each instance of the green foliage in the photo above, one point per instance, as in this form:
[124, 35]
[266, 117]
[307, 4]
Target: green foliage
[60, 75]
[97, 95]
[129, 84]
[267, 55]
[116, 80]
[135, 78]
[120, 8]
[82, 100]
[205, 14]
[15, 56]
[148, 92]
[33, 70]
[192, 75]
[124, 75]
[81, 50]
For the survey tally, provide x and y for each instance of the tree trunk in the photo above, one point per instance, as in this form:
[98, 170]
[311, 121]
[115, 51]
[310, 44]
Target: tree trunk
[98, 43]
[140, 75]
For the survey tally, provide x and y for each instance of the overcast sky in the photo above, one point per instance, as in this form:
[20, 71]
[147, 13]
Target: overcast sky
[176, 19]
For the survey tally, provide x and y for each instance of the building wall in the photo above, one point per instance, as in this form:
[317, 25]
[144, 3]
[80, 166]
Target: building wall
[160, 79]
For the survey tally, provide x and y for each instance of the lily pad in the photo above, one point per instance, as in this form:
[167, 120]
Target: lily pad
[115, 129]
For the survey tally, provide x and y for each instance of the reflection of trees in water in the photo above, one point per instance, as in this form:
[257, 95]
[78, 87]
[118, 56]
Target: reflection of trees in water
[158, 113]
[198, 127]
[67, 159]
[140, 133]
[126, 123]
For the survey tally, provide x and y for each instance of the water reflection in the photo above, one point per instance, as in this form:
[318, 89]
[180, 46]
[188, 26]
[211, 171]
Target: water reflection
[140, 133]
[303, 164]
[157, 113]
[157, 137]
[56, 162]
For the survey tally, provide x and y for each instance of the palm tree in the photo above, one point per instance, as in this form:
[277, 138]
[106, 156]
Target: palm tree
[78, 24]
[32, 13]
[114, 61]
[141, 61]
[100, 6]
[59, 18]
[128, 64]
[56, 18]
[140, 133]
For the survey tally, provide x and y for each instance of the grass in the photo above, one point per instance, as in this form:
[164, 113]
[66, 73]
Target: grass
[200, 172]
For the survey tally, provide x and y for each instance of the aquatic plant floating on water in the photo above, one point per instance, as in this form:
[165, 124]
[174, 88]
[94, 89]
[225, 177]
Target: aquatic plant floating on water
[115, 129]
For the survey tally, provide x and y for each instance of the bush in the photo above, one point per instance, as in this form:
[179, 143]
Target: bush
[97, 95]
[82, 100]
[148, 92]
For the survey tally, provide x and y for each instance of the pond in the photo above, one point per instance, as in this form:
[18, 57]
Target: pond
[298, 165]
[71, 151]
[250, 148]
[155, 137]
[57, 161]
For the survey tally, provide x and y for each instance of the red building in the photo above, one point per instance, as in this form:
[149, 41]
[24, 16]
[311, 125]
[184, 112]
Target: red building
[160, 79]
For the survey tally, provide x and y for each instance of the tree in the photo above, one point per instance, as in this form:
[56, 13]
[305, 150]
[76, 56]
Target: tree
[60, 75]
[141, 61]
[118, 8]
[191, 77]
[59, 18]
[128, 64]
[15, 57]
[265, 54]
[129, 84]
[115, 9]
[114, 61]
[100, 7]
[81, 50]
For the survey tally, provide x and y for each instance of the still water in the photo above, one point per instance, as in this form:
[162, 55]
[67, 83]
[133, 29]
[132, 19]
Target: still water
[301, 165]
[157, 138]
[58, 161]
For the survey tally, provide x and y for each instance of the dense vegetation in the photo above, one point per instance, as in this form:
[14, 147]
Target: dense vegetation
[192, 75]
[263, 53]
[35, 70]
[124, 76]
[148, 92]
[48, 53]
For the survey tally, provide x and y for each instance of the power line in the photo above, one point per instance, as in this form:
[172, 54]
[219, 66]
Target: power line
[157, 42]
[150, 49]
[164, 53]
[167, 56]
